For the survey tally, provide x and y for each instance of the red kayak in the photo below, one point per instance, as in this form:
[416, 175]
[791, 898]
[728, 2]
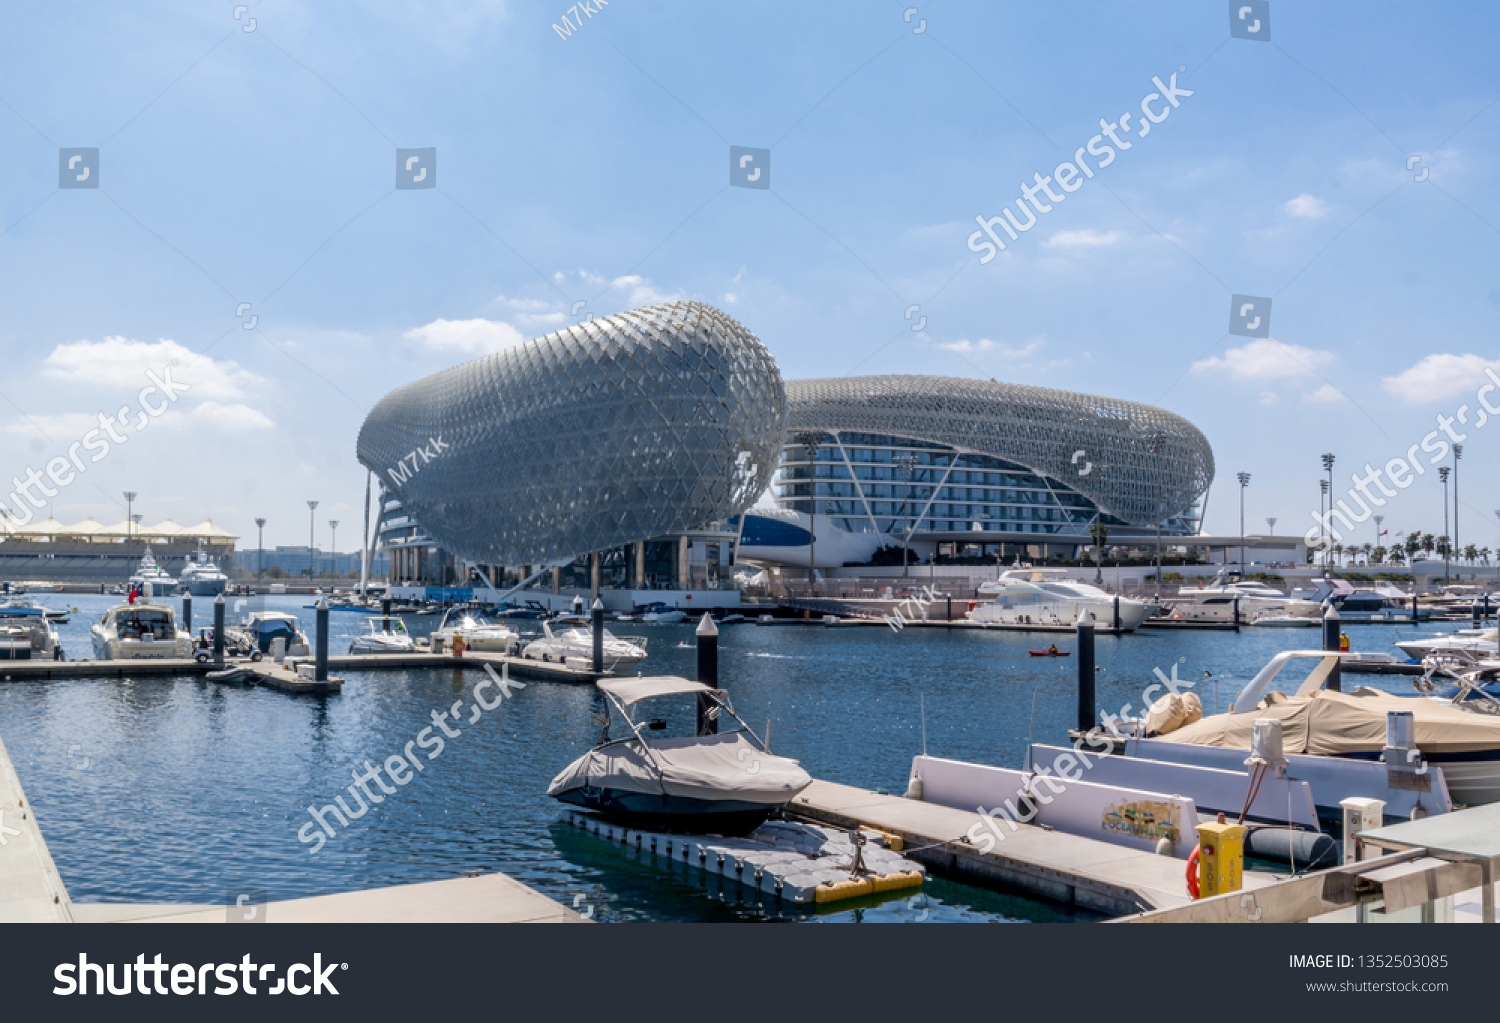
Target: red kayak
[1048, 653]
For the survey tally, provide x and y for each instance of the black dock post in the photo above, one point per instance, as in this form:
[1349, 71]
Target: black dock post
[385, 606]
[187, 614]
[1087, 714]
[1236, 612]
[708, 673]
[1486, 616]
[219, 631]
[1474, 614]
[598, 636]
[950, 607]
[1331, 642]
[1117, 612]
[1414, 619]
[321, 650]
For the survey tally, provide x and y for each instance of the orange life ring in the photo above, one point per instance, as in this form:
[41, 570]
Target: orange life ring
[1192, 872]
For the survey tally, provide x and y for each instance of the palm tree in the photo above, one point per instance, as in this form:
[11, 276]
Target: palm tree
[1397, 555]
[1366, 549]
[1338, 552]
[1443, 546]
[1471, 554]
[1429, 543]
[1412, 543]
[1484, 553]
[1377, 556]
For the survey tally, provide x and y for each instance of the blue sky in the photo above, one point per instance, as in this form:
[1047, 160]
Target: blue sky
[259, 167]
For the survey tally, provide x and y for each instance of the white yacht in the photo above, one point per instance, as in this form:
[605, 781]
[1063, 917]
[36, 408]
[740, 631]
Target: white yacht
[150, 579]
[26, 633]
[384, 634]
[478, 632]
[201, 576]
[1215, 603]
[1475, 643]
[1046, 596]
[139, 630]
[658, 613]
[577, 645]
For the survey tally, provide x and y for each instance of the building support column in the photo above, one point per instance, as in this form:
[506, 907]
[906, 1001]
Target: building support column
[595, 571]
[640, 564]
[556, 578]
[683, 576]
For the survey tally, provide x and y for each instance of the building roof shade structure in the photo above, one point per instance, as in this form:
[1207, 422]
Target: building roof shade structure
[626, 427]
[1134, 460]
[90, 529]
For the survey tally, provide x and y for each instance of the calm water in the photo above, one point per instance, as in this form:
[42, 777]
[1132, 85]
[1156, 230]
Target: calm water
[172, 790]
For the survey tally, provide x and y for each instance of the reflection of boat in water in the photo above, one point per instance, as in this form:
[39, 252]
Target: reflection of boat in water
[384, 634]
[620, 654]
[26, 633]
[725, 783]
[1046, 596]
[137, 631]
[478, 632]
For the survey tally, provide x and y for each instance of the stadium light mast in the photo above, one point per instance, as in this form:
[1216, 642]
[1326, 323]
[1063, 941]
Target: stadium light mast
[130, 496]
[1244, 478]
[260, 553]
[312, 558]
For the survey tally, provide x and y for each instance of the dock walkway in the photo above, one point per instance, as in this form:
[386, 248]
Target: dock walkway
[1069, 869]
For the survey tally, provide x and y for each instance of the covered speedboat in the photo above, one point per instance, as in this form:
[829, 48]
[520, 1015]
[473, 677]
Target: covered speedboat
[723, 783]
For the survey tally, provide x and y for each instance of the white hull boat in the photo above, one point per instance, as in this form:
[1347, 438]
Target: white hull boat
[27, 633]
[621, 654]
[137, 632]
[478, 632]
[1047, 597]
[384, 634]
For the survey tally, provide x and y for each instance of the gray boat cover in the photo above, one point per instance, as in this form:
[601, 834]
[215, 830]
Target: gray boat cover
[713, 767]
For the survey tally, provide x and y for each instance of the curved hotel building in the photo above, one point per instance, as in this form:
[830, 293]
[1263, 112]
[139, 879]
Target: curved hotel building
[958, 466]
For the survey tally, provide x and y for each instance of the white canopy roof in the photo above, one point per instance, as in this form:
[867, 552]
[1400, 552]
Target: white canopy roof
[629, 690]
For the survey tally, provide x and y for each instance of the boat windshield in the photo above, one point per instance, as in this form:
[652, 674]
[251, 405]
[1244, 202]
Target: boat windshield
[150, 622]
[1074, 589]
[382, 624]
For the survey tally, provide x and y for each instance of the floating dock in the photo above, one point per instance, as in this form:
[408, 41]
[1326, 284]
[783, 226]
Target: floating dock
[799, 863]
[1069, 869]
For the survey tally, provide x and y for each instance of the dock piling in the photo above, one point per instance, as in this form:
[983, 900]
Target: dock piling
[187, 614]
[1087, 713]
[219, 631]
[1236, 612]
[385, 606]
[598, 623]
[708, 672]
[1474, 614]
[1117, 613]
[1331, 628]
[321, 654]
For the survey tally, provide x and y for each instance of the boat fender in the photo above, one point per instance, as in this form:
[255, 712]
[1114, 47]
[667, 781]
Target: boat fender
[1306, 850]
[914, 786]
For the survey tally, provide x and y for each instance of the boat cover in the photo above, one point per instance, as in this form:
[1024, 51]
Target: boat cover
[1331, 724]
[712, 767]
[629, 690]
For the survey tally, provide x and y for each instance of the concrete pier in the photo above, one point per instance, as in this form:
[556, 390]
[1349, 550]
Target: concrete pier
[31, 891]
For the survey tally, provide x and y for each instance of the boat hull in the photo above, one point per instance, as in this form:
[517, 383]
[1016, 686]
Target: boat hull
[671, 813]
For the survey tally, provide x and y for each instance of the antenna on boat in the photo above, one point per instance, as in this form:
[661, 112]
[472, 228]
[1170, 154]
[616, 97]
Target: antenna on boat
[1030, 728]
[767, 744]
[922, 702]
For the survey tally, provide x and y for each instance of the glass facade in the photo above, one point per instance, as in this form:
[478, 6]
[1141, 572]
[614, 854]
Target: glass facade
[933, 455]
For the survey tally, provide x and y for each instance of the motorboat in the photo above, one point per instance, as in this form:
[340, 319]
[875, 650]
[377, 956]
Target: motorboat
[1284, 621]
[150, 579]
[1255, 599]
[723, 783]
[1374, 606]
[384, 634]
[1464, 642]
[478, 632]
[26, 633]
[1323, 722]
[621, 654]
[531, 609]
[658, 613]
[201, 576]
[262, 629]
[136, 631]
[1046, 596]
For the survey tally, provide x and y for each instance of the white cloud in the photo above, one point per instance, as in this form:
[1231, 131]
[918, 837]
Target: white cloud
[1440, 376]
[984, 344]
[1083, 239]
[1307, 206]
[1268, 397]
[65, 426]
[116, 359]
[1266, 358]
[469, 337]
[1325, 394]
[730, 298]
[231, 417]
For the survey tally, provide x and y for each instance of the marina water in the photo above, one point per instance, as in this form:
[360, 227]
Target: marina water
[174, 789]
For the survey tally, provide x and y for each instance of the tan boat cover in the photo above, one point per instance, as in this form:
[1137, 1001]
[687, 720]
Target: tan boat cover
[704, 767]
[1329, 723]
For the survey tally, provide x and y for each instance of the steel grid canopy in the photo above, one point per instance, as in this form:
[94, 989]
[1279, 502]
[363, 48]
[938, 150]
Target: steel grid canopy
[1137, 457]
[630, 426]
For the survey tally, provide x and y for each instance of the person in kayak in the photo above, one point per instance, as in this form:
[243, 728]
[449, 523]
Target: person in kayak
[1052, 649]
